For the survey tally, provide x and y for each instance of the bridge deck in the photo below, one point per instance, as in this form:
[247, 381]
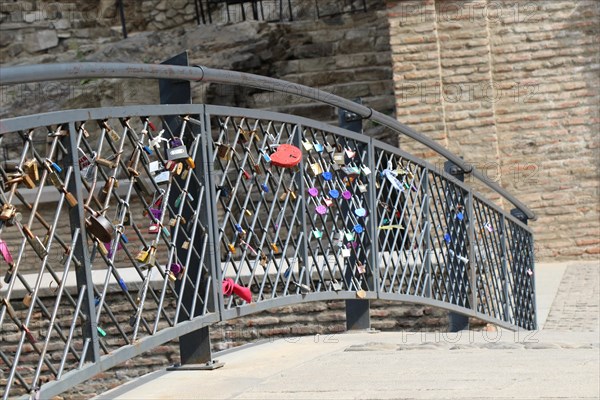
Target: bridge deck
[374, 365]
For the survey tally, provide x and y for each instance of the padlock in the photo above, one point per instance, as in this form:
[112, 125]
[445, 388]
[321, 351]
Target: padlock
[179, 169]
[8, 212]
[185, 245]
[360, 267]
[365, 170]
[231, 248]
[51, 165]
[339, 159]
[318, 147]
[246, 174]
[361, 294]
[351, 170]
[346, 252]
[35, 243]
[113, 135]
[274, 247]
[329, 148]
[27, 300]
[8, 276]
[153, 228]
[31, 169]
[152, 256]
[349, 152]
[6, 255]
[71, 200]
[255, 165]
[316, 169]
[173, 222]
[191, 164]
[177, 153]
[155, 166]
[247, 136]
[317, 234]
[170, 165]
[263, 260]
[308, 146]
[224, 151]
[142, 255]
[362, 188]
[163, 177]
[105, 162]
[102, 248]
[25, 179]
[336, 286]
[184, 174]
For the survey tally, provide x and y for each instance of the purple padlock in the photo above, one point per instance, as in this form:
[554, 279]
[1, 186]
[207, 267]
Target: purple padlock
[314, 192]
[346, 194]
[156, 212]
[321, 210]
[176, 142]
[176, 268]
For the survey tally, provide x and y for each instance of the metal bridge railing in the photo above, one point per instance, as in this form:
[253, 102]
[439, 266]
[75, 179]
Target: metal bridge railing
[128, 227]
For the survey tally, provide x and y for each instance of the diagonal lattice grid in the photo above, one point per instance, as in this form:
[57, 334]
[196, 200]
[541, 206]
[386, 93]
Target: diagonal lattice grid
[401, 225]
[114, 229]
[520, 275]
[292, 230]
[450, 266]
[141, 208]
[336, 174]
[491, 284]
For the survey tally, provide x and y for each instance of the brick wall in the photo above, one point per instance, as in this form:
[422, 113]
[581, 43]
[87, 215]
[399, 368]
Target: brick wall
[514, 88]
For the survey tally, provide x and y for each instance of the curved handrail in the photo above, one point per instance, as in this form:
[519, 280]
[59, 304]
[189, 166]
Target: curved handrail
[45, 72]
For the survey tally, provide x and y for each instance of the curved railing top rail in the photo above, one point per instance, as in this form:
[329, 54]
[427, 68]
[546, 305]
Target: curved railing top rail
[46, 72]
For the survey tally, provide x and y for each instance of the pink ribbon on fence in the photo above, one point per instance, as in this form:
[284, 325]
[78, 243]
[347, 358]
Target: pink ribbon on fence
[6, 253]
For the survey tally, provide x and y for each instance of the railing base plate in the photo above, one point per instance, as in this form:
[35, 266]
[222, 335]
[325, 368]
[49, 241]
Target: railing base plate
[214, 364]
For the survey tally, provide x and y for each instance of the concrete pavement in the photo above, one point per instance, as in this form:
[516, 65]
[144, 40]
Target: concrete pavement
[545, 364]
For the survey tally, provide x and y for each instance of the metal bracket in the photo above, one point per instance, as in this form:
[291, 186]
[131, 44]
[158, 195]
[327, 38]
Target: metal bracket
[207, 366]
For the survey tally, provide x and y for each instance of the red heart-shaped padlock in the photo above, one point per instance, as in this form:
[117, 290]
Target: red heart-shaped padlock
[286, 156]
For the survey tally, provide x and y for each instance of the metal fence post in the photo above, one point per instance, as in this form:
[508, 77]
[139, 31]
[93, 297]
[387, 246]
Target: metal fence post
[194, 347]
[504, 262]
[471, 250]
[357, 310]
[297, 140]
[427, 228]
[457, 322]
[91, 347]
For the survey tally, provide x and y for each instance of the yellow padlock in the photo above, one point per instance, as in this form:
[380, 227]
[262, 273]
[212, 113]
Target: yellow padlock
[142, 255]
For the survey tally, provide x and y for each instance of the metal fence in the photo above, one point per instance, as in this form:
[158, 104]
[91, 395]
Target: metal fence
[191, 212]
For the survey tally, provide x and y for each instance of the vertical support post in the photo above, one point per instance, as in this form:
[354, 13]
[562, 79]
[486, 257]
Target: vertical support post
[427, 228]
[372, 219]
[80, 252]
[297, 140]
[471, 250]
[457, 322]
[194, 347]
[504, 270]
[357, 310]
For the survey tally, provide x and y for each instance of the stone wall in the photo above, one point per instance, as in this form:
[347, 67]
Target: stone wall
[514, 88]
